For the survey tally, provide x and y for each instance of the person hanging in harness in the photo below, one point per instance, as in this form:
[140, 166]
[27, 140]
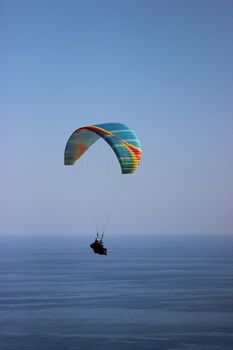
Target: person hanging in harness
[98, 245]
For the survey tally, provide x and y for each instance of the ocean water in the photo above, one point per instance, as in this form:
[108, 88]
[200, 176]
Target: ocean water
[150, 292]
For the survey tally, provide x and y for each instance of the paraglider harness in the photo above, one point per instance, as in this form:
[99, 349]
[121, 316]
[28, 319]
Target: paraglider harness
[98, 245]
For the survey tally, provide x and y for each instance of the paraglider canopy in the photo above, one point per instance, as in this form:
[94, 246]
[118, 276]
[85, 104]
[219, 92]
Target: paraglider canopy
[122, 140]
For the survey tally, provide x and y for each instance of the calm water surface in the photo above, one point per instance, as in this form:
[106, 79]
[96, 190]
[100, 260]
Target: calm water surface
[150, 292]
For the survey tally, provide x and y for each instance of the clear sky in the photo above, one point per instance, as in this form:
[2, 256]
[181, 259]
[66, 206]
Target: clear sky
[163, 67]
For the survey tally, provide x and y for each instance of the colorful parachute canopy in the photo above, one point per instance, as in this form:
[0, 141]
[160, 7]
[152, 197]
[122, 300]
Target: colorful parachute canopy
[123, 141]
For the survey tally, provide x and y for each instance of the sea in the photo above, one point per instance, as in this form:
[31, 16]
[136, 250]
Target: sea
[163, 292]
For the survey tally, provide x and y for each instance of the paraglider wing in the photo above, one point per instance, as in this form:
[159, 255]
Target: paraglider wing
[122, 140]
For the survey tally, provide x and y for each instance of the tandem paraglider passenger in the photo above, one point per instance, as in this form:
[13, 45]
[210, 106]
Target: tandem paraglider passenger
[98, 246]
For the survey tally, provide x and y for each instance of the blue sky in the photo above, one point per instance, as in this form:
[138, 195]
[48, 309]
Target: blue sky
[162, 67]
